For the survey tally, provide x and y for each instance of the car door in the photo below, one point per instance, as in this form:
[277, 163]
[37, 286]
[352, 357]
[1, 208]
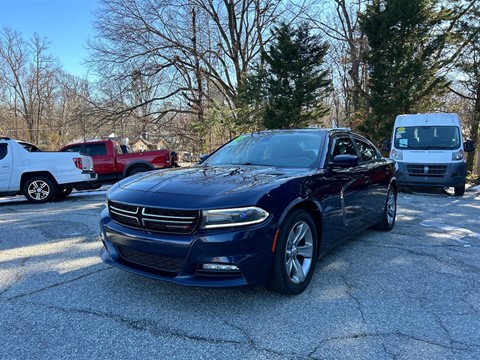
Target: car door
[6, 167]
[349, 188]
[103, 163]
[377, 172]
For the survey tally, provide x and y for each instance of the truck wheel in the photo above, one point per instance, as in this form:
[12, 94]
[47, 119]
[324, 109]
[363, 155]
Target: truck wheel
[460, 190]
[137, 169]
[39, 189]
[62, 193]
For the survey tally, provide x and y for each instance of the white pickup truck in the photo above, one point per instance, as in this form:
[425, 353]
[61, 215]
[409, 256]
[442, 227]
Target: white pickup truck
[41, 176]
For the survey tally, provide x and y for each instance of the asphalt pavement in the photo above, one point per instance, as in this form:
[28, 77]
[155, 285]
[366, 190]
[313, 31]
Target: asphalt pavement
[413, 293]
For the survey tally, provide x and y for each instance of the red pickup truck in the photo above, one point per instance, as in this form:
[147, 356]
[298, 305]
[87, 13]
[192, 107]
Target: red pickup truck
[112, 165]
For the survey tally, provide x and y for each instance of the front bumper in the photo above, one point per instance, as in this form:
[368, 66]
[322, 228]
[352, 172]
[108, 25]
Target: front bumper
[179, 258]
[430, 175]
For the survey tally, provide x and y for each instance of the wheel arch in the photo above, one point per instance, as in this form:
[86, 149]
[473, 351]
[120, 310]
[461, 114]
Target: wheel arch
[314, 210]
[134, 164]
[28, 175]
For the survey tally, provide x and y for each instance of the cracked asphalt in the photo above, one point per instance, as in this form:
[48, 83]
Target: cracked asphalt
[413, 293]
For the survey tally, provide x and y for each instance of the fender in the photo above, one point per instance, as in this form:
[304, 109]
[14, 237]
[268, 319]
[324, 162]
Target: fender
[136, 163]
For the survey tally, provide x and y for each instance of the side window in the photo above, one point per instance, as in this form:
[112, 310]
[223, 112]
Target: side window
[74, 149]
[367, 151]
[3, 151]
[96, 149]
[342, 146]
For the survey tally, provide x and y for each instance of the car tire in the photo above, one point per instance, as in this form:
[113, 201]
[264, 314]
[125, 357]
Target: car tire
[39, 189]
[137, 169]
[62, 193]
[295, 254]
[389, 212]
[459, 190]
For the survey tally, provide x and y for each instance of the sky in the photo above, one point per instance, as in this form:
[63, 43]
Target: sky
[66, 24]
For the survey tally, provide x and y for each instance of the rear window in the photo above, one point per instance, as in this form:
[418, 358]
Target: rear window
[95, 149]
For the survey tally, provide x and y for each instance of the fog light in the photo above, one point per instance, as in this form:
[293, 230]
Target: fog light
[220, 267]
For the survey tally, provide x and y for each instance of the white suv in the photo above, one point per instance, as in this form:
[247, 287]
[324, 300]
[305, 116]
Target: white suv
[41, 176]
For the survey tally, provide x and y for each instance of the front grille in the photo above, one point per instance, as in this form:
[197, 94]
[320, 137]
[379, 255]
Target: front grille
[163, 263]
[427, 170]
[154, 219]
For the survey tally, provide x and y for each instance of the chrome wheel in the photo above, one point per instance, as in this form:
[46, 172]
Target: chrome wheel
[299, 252]
[39, 189]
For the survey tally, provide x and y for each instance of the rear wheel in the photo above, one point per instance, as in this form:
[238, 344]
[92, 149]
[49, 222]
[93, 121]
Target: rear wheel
[39, 189]
[389, 212]
[460, 190]
[295, 254]
[62, 193]
[137, 169]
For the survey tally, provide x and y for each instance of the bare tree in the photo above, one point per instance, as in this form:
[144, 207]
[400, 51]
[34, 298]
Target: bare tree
[193, 53]
[28, 75]
[338, 20]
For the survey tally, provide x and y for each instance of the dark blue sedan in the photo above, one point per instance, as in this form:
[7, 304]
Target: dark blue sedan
[260, 210]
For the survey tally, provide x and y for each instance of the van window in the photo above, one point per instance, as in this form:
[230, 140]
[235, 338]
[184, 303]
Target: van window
[427, 137]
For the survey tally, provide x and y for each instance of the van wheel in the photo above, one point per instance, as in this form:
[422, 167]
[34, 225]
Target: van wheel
[39, 189]
[295, 254]
[460, 190]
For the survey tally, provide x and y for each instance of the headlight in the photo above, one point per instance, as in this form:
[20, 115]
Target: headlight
[457, 155]
[221, 218]
[396, 154]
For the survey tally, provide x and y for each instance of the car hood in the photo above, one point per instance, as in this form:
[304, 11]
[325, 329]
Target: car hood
[211, 181]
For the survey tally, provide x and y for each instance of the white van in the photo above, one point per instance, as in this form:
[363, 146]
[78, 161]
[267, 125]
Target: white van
[429, 151]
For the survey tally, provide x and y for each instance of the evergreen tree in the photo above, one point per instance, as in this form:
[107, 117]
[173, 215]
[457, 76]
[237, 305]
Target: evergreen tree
[403, 69]
[287, 88]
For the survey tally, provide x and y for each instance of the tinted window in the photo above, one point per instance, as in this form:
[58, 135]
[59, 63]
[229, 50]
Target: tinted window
[96, 149]
[3, 151]
[76, 148]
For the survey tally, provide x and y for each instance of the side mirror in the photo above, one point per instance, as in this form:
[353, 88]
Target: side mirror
[386, 145]
[469, 146]
[345, 160]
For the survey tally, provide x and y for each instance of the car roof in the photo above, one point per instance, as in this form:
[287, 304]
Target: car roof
[308, 130]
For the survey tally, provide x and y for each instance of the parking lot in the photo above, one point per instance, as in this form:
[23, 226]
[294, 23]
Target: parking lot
[413, 293]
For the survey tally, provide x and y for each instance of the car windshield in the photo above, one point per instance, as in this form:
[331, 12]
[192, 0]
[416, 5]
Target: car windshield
[427, 137]
[282, 149]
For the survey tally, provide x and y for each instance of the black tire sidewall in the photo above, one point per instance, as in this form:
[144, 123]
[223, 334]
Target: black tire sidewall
[62, 193]
[384, 225]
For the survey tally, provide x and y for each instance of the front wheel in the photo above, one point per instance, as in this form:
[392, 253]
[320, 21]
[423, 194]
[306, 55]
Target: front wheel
[39, 189]
[460, 190]
[389, 212]
[295, 254]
